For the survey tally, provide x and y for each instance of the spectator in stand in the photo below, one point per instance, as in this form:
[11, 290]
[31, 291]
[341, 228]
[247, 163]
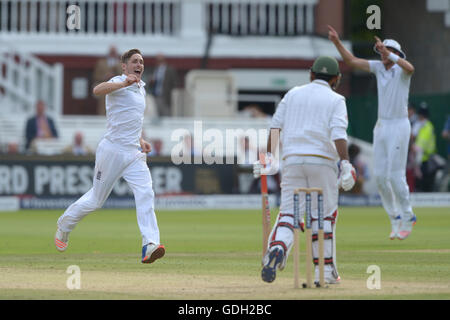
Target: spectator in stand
[254, 111]
[362, 171]
[446, 136]
[247, 153]
[13, 148]
[425, 145]
[105, 69]
[412, 168]
[189, 147]
[39, 126]
[156, 148]
[78, 148]
[413, 119]
[163, 80]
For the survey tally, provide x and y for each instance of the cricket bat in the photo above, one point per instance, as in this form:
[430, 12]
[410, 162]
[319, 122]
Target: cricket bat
[265, 208]
[296, 259]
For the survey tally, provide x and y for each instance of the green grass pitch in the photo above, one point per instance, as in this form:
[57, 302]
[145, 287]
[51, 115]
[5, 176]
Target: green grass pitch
[216, 254]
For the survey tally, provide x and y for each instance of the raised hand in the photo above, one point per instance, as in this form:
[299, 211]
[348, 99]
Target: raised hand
[332, 35]
[384, 52]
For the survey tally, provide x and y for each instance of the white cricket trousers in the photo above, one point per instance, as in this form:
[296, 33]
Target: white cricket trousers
[112, 162]
[308, 176]
[390, 147]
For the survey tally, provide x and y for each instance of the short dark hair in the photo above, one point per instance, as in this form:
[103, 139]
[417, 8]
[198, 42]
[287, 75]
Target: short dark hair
[127, 55]
[423, 111]
[325, 77]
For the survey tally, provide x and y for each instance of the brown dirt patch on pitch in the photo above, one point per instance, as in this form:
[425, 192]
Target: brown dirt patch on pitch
[137, 285]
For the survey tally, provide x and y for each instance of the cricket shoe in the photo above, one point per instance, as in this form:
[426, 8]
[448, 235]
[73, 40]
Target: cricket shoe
[272, 260]
[329, 280]
[406, 227]
[151, 252]
[395, 224]
[330, 276]
[61, 240]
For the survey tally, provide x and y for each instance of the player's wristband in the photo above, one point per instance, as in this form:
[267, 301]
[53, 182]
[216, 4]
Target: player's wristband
[393, 57]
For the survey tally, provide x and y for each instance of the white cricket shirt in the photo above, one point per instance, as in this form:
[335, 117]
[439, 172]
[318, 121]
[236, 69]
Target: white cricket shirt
[311, 117]
[125, 113]
[393, 90]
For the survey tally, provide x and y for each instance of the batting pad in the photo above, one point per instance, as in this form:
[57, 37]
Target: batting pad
[328, 243]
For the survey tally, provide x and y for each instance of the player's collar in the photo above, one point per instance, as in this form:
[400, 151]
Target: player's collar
[322, 82]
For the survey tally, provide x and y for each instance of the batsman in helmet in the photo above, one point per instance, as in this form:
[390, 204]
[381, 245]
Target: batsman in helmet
[312, 121]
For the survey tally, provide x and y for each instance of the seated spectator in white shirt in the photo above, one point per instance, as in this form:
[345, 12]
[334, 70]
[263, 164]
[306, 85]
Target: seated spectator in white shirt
[78, 148]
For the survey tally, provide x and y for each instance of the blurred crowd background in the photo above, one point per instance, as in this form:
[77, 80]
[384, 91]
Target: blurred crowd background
[226, 63]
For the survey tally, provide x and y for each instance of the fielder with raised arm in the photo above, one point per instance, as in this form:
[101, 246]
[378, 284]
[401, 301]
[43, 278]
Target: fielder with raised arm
[392, 131]
[118, 155]
[313, 122]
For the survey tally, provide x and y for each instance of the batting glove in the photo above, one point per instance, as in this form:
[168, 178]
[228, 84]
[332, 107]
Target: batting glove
[348, 175]
[257, 169]
[270, 168]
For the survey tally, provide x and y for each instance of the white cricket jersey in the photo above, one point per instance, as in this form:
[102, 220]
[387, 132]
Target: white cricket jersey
[125, 113]
[393, 90]
[311, 117]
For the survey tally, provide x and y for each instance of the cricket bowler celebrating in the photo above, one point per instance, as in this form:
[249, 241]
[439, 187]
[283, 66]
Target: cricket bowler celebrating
[392, 131]
[118, 155]
[312, 120]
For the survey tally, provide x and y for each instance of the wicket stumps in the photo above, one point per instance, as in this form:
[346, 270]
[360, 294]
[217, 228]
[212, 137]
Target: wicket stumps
[308, 232]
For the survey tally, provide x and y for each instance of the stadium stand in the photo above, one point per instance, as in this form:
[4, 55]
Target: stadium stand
[46, 47]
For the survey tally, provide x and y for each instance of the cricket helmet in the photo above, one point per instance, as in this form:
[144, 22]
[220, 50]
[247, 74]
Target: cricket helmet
[326, 65]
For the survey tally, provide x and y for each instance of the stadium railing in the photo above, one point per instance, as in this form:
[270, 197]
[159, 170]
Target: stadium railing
[25, 79]
[165, 17]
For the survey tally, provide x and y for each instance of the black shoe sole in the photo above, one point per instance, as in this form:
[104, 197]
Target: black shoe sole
[268, 273]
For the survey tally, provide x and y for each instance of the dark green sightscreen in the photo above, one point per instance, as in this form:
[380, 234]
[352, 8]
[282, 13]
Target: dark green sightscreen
[362, 116]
